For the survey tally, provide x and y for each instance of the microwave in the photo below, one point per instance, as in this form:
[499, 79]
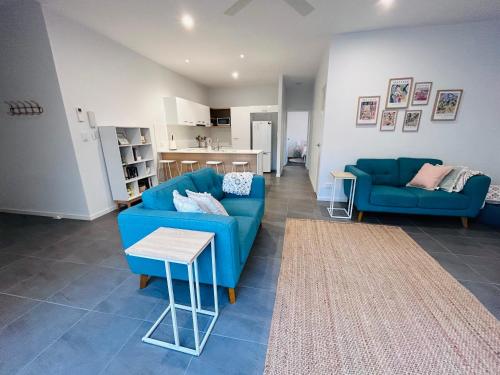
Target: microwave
[223, 120]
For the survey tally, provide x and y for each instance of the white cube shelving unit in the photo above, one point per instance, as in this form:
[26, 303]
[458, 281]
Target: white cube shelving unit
[118, 157]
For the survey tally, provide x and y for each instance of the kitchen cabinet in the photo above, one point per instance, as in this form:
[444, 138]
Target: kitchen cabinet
[180, 111]
[240, 124]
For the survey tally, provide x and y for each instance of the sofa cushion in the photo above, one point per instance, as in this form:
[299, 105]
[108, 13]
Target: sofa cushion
[383, 171]
[249, 207]
[439, 199]
[206, 181]
[161, 197]
[247, 231]
[409, 167]
[392, 196]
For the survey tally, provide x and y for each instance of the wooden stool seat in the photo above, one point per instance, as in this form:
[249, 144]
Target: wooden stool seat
[216, 163]
[166, 168]
[242, 164]
[189, 163]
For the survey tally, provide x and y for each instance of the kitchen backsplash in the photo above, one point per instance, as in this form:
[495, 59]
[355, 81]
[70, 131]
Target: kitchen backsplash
[185, 135]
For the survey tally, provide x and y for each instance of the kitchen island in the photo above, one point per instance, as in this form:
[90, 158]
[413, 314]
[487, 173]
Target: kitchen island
[226, 155]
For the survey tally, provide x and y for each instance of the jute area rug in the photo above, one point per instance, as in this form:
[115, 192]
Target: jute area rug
[367, 299]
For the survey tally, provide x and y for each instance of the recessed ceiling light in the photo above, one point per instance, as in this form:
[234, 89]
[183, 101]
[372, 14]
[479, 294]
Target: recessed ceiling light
[386, 3]
[235, 75]
[187, 61]
[187, 21]
[242, 56]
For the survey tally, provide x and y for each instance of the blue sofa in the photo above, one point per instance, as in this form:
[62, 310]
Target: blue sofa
[381, 187]
[234, 234]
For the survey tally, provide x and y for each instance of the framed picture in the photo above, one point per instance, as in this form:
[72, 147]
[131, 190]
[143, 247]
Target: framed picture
[398, 93]
[446, 105]
[412, 120]
[421, 93]
[388, 120]
[368, 110]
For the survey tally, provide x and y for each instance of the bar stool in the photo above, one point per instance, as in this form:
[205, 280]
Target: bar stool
[166, 168]
[242, 164]
[189, 163]
[211, 163]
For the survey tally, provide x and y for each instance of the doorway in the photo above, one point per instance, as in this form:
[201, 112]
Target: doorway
[297, 130]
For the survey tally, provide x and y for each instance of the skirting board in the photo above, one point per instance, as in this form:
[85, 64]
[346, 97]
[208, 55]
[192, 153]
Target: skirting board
[59, 215]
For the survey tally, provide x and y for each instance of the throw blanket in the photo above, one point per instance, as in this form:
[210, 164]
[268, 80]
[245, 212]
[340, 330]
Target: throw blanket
[238, 183]
[463, 178]
[456, 179]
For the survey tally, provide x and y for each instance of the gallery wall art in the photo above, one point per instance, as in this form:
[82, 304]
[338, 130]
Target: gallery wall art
[398, 93]
[368, 110]
[446, 105]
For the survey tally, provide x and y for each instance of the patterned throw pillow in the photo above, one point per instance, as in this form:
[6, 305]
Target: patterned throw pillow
[493, 194]
[185, 204]
[207, 203]
[238, 183]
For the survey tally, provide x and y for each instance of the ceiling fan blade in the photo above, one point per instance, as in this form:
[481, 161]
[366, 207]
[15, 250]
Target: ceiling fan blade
[302, 7]
[236, 7]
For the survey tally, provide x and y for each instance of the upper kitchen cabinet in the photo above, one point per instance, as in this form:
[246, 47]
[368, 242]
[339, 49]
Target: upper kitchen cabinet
[179, 111]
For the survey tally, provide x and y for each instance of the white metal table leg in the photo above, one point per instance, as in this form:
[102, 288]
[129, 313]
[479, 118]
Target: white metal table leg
[172, 302]
[214, 278]
[193, 309]
[197, 284]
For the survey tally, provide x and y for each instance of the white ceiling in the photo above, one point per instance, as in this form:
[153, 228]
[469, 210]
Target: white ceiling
[274, 38]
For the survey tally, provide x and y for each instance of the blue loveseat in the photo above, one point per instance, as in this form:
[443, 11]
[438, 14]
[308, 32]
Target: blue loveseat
[234, 234]
[381, 187]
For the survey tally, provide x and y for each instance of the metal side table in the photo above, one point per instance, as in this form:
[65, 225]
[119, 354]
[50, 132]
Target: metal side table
[171, 245]
[340, 212]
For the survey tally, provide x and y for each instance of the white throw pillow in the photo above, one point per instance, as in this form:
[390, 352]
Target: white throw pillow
[207, 203]
[185, 204]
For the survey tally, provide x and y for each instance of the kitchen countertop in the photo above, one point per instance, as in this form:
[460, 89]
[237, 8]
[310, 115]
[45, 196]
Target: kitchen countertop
[197, 150]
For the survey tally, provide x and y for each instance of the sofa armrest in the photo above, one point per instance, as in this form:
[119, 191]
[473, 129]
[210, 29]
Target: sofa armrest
[257, 190]
[363, 186]
[476, 189]
[137, 222]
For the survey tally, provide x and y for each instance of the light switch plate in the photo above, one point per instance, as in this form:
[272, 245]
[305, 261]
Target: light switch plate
[80, 115]
[92, 121]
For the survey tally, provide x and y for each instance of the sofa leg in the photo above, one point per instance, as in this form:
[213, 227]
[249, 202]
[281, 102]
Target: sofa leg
[143, 281]
[360, 216]
[232, 295]
[465, 222]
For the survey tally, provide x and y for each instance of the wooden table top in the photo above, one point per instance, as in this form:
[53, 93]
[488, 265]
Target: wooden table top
[170, 244]
[344, 175]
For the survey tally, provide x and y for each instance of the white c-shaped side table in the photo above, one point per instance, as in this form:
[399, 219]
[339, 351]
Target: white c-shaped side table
[180, 246]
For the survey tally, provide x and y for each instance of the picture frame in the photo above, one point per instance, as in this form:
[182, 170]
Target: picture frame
[421, 93]
[411, 121]
[388, 120]
[368, 107]
[446, 104]
[399, 93]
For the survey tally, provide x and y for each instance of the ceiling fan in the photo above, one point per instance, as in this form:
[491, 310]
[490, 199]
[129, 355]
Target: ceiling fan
[302, 7]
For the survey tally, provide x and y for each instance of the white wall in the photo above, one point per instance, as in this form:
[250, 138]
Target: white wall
[462, 56]
[122, 87]
[226, 97]
[318, 117]
[281, 143]
[299, 97]
[39, 171]
[296, 128]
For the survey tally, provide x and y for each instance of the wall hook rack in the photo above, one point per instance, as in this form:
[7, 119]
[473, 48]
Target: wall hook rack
[24, 108]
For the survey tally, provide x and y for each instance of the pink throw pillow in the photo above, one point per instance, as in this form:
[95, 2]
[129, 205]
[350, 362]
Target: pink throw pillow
[429, 176]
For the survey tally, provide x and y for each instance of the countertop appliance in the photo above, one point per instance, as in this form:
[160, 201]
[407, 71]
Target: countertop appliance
[261, 140]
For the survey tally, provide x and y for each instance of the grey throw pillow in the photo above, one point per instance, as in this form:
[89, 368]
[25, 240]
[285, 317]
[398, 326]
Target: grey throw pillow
[451, 179]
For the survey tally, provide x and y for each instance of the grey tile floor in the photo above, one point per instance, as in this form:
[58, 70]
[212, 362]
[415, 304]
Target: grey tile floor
[69, 304]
